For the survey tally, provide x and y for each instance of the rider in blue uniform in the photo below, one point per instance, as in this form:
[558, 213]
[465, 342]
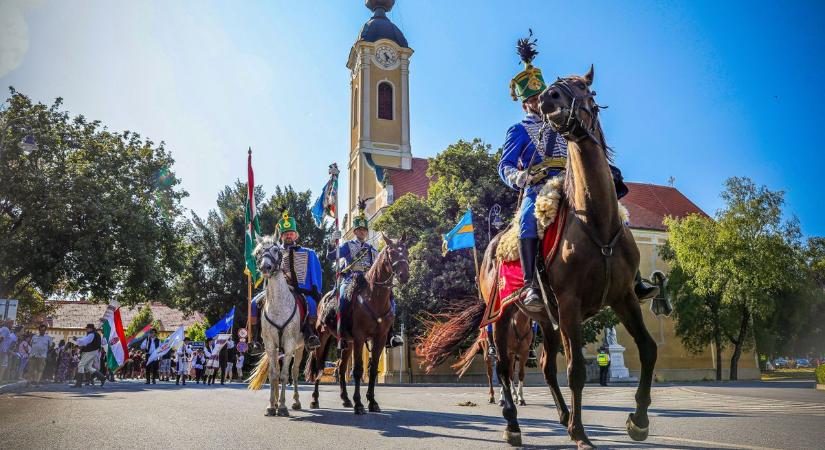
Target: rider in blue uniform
[529, 158]
[305, 275]
[359, 255]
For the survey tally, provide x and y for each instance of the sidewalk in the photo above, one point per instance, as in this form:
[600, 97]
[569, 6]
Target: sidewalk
[14, 385]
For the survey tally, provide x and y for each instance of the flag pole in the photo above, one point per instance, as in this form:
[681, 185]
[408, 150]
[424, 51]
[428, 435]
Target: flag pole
[475, 258]
[248, 309]
[333, 171]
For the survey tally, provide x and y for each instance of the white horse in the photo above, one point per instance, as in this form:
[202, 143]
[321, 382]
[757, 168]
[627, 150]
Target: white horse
[280, 330]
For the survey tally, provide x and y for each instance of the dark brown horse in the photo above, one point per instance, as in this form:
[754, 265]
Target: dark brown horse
[594, 266]
[367, 317]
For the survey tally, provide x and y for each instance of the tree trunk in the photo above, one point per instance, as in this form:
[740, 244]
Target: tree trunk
[740, 341]
[717, 344]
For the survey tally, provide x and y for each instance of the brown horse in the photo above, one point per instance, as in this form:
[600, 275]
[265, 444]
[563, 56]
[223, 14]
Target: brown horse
[367, 317]
[519, 340]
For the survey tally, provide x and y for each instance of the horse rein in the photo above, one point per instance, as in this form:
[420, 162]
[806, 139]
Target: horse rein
[393, 264]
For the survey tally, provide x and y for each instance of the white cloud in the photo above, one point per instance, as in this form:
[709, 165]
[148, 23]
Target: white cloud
[14, 37]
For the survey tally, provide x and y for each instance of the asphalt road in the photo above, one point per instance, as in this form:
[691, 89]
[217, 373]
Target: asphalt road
[755, 415]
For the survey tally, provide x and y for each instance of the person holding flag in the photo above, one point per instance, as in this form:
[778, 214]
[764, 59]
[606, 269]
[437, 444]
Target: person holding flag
[90, 345]
[359, 256]
[304, 274]
[184, 357]
[150, 346]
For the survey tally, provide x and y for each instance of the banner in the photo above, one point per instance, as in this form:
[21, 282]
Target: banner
[172, 342]
[117, 351]
[219, 341]
[224, 324]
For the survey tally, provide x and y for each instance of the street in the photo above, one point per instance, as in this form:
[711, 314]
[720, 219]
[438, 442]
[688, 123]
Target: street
[749, 415]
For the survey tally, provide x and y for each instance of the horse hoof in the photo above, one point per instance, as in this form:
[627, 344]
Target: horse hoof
[492, 400]
[636, 432]
[513, 438]
[585, 445]
[501, 402]
[374, 407]
[359, 410]
[314, 405]
[522, 402]
[270, 412]
[347, 404]
[283, 412]
[296, 406]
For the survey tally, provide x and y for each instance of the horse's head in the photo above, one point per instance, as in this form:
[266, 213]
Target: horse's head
[397, 253]
[568, 106]
[268, 255]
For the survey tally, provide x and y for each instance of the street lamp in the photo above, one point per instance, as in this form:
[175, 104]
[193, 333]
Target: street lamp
[494, 219]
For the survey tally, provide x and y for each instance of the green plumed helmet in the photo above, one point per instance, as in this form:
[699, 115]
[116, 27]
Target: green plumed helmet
[529, 81]
[287, 223]
[360, 221]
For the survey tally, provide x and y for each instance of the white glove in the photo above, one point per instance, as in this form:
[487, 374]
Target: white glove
[335, 236]
[522, 178]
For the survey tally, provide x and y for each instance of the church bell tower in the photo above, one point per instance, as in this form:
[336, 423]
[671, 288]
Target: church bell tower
[380, 110]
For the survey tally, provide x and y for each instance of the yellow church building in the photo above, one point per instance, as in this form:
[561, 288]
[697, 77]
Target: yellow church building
[381, 168]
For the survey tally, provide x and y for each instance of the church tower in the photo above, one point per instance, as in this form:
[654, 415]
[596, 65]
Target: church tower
[380, 111]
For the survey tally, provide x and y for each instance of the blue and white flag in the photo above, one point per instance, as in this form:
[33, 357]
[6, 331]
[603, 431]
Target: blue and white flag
[461, 236]
[172, 342]
[224, 325]
[325, 204]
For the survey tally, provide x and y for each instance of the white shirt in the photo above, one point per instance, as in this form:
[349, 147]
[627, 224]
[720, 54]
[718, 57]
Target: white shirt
[40, 345]
[149, 345]
[85, 340]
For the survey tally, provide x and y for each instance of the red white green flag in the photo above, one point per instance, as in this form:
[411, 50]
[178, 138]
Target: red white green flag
[117, 351]
[253, 229]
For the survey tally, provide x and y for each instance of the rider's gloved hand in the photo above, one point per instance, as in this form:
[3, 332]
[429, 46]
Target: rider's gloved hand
[523, 178]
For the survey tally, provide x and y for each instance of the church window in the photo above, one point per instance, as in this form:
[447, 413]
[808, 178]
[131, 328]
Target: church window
[385, 100]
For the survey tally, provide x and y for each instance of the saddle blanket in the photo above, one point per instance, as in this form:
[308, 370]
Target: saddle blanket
[510, 276]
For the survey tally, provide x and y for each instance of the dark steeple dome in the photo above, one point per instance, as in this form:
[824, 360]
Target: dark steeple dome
[379, 26]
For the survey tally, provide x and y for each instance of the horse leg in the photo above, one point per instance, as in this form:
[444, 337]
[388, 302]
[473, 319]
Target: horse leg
[552, 340]
[489, 362]
[576, 372]
[512, 434]
[522, 360]
[284, 375]
[630, 314]
[342, 376]
[273, 383]
[375, 356]
[357, 375]
[296, 402]
[319, 359]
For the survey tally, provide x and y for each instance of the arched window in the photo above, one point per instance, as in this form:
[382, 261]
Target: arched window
[385, 100]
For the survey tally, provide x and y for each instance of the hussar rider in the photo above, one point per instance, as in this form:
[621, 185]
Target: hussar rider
[527, 161]
[303, 269]
[359, 255]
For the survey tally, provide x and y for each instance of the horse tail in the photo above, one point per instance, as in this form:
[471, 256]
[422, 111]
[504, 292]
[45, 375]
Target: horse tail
[446, 331]
[466, 360]
[260, 374]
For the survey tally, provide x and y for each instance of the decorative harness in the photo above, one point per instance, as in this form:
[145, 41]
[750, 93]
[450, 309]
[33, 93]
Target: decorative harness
[573, 129]
[276, 264]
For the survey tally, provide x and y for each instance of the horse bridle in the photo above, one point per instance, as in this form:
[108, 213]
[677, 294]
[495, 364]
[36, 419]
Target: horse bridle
[270, 253]
[573, 128]
[393, 264]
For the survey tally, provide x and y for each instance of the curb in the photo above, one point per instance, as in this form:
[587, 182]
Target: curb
[13, 386]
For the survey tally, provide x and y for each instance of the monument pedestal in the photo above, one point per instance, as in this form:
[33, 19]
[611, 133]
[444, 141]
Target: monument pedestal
[618, 371]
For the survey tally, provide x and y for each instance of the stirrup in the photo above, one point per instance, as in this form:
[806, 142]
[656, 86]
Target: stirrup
[312, 342]
[533, 301]
[492, 352]
[394, 341]
[645, 291]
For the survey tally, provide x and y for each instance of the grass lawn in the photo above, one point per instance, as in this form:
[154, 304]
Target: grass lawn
[789, 374]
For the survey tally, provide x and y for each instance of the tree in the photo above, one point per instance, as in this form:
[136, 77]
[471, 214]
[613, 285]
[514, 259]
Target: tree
[197, 332]
[84, 211]
[214, 279]
[140, 320]
[746, 258]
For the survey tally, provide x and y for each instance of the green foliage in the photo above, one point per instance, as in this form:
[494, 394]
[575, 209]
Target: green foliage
[141, 319]
[214, 280]
[734, 270]
[84, 210]
[197, 332]
[820, 374]
[466, 174]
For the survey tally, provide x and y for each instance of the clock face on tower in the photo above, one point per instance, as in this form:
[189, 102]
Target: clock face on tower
[386, 57]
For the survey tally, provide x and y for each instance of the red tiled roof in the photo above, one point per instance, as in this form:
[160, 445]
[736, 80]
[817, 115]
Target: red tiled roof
[414, 180]
[649, 204]
[70, 314]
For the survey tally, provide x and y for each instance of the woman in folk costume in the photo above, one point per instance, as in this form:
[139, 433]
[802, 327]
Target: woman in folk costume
[198, 363]
[359, 255]
[184, 361]
[528, 161]
[304, 275]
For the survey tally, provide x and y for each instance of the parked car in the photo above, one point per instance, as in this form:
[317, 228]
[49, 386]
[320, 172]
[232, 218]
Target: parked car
[803, 363]
[781, 363]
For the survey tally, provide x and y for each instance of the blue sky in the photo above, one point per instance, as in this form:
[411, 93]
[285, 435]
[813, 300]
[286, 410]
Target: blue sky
[697, 90]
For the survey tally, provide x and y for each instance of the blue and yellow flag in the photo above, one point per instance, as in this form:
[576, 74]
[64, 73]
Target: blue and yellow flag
[461, 236]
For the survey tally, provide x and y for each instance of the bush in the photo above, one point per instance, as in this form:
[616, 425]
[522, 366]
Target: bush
[820, 374]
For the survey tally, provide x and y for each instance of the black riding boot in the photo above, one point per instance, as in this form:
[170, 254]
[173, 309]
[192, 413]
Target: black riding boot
[308, 330]
[528, 249]
[643, 289]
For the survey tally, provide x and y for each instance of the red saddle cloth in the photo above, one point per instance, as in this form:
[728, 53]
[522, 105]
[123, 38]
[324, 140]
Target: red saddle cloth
[510, 275]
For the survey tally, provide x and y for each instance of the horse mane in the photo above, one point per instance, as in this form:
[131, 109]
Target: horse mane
[263, 243]
[359, 282]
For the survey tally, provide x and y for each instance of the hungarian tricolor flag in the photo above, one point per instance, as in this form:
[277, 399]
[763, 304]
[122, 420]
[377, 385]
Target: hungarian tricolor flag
[116, 350]
[253, 229]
